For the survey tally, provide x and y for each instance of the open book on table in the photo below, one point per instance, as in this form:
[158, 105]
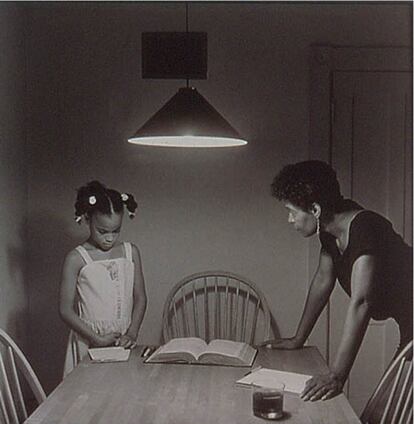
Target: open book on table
[194, 350]
[109, 354]
[294, 383]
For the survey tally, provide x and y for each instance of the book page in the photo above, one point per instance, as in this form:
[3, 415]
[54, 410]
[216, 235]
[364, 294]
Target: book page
[219, 351]
[248, 354]
[294, 383]
[109, 354]
[192, 345]
[225, 347]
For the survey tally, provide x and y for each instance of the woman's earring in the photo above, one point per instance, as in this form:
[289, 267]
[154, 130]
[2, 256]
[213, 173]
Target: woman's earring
[318, 226]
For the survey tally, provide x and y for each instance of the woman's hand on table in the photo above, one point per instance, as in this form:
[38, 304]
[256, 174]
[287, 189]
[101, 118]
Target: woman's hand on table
[126, 342]
[287, 344]
[322, 387]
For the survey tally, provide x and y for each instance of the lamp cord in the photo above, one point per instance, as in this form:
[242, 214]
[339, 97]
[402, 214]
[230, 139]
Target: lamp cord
[187, 40]
[186, 17]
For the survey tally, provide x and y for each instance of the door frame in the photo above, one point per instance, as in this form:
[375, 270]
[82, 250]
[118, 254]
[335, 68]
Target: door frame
[324, 60]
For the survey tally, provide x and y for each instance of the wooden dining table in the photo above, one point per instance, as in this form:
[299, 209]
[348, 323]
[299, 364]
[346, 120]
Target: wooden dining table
[135, 392]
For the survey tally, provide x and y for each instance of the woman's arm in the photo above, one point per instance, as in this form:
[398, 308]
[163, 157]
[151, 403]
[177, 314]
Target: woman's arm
[319, 292]
[71, 267]
[356, 322]
[140, 303]
[321, 287]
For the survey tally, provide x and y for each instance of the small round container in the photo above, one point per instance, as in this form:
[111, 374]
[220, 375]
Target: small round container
[268, 401]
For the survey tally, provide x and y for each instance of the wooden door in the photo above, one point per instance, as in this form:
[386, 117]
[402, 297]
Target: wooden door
[361, 122]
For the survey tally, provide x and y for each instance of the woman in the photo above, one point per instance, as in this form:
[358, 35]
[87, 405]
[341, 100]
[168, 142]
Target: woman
[359, 248]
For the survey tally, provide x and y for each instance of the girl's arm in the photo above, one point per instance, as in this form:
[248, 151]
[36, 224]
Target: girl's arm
[321, 287]
[129, 339]
[71, 267]
[356, 322]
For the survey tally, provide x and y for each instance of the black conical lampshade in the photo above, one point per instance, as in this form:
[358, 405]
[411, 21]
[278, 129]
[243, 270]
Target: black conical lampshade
[187, 120]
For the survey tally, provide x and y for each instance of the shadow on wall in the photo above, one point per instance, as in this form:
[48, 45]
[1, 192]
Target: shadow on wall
[47, 333]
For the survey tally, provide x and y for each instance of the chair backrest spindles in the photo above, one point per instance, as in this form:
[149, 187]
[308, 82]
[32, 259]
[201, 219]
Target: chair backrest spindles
[395, 389]
[186, 324]
[405, 409]
[410, 417]
[177, 326]
[14, 368]
[206, 313]
[254, 323]
[226, 310]
[223, 306]
[404, 395]
[245, 314]
[217, 315]
[195, 309]
[236, 312]
[10, 405]
[3, 409]
[16, 383]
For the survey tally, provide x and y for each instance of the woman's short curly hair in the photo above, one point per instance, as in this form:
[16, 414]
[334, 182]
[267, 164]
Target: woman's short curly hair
[308, 182]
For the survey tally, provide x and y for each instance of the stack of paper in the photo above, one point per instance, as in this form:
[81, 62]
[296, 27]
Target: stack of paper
[294, 383]
[109, 354]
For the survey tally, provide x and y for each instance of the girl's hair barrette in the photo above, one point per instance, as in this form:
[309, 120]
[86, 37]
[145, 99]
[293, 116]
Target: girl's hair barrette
[78, 219]
[124, 197]
[92, 200]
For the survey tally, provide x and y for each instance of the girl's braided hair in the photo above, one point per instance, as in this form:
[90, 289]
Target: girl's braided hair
[308, 182]
[95, 197]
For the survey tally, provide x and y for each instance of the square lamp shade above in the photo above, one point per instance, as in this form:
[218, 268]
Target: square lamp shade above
[187, 120]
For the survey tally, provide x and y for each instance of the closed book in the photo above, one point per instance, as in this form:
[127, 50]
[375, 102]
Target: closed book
[294, 382]
[109, 354]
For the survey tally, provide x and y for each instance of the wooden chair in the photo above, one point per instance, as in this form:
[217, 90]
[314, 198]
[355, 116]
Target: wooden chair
[216, 305]
[392, 400]
[16, 378]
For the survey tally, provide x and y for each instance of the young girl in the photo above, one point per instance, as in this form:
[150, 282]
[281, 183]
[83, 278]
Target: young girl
[102, 293]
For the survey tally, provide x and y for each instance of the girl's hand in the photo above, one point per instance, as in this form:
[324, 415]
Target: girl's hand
[288, 344]
[126, 342]
[322, 387]
[106, 340]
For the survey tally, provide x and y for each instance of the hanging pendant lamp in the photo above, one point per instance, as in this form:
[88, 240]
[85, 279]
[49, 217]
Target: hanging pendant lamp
[187, 119]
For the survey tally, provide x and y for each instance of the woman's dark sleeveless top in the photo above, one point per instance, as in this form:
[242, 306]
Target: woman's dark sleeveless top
[372, 234]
